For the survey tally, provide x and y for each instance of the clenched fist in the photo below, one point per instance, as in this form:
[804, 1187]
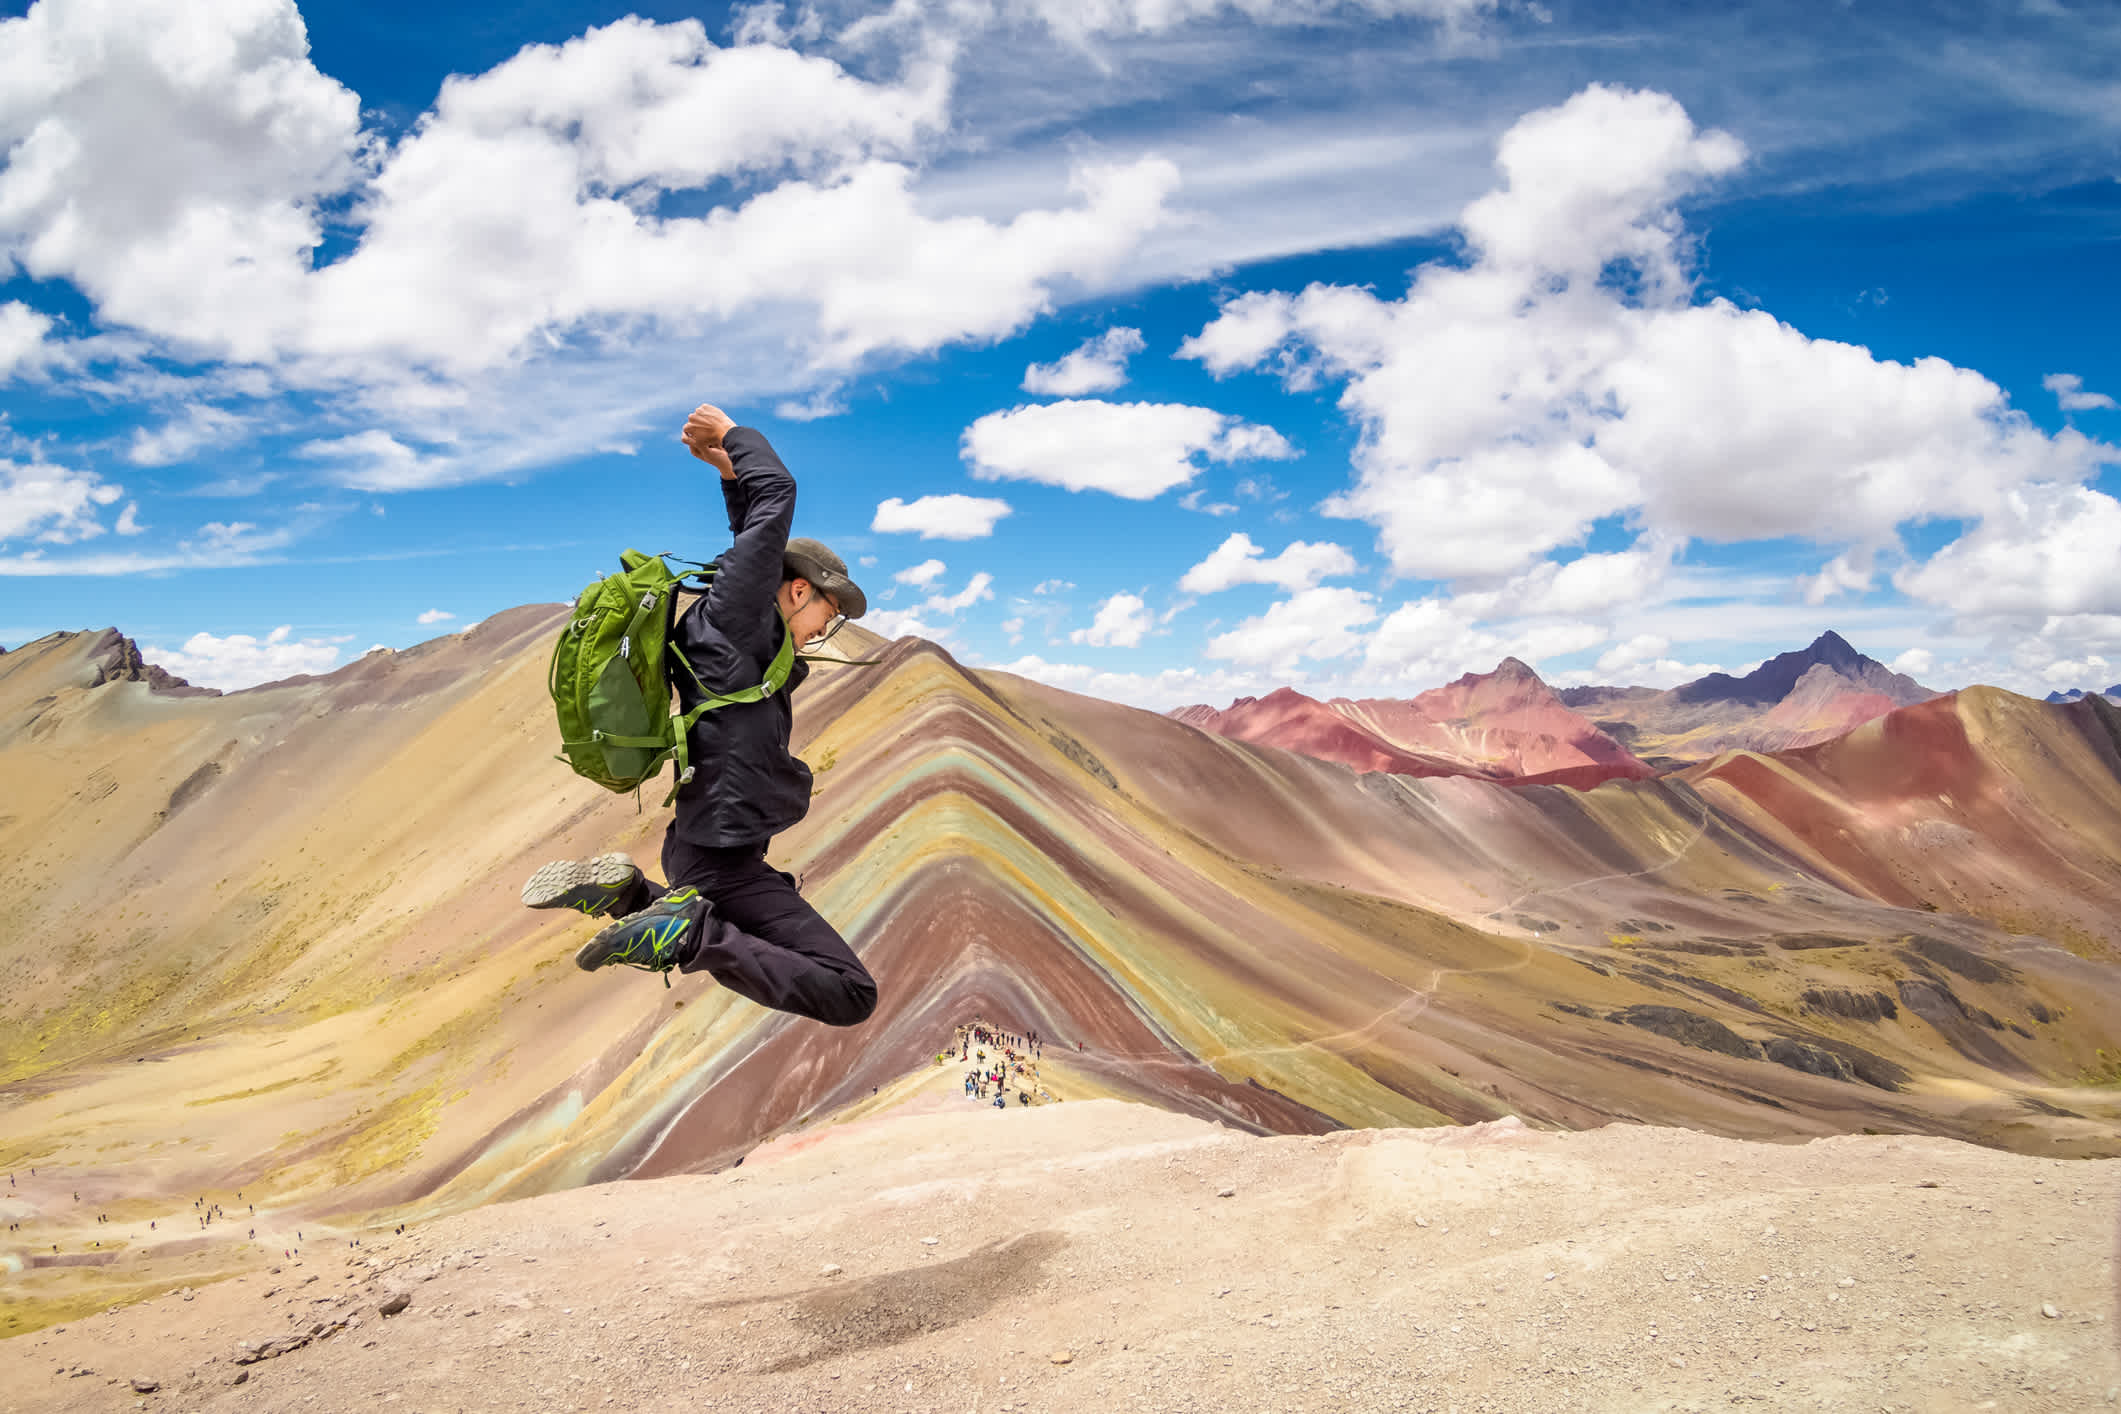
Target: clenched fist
[703, 435]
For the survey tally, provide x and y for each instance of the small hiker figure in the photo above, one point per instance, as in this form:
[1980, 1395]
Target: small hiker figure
[725, 911]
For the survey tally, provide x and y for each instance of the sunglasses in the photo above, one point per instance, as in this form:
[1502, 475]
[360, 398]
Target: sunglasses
[832, 625]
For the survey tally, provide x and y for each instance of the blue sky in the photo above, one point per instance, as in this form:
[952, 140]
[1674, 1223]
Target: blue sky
[1170, 350]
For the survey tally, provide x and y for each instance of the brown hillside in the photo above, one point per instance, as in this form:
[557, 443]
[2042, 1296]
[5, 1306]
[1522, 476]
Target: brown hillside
[274, 944]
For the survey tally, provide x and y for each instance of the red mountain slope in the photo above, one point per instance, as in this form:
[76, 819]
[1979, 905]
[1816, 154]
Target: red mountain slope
[1506, 725]
[1288, 719]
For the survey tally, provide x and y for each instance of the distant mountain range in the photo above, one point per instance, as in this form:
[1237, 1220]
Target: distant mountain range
[1793, 699]
[1510, 726]
[1506, 725]
[271, 941]
[299, 903]
[2078, 694]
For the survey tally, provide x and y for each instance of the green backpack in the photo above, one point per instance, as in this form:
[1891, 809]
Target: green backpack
[609, 676]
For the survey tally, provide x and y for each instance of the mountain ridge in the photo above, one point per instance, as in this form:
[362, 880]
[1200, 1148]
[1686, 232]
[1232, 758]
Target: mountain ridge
[1794, 699]
[292, 921]
[1503, 725]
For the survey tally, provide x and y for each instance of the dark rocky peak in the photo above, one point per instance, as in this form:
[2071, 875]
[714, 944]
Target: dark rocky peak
[1580, 697]
[1835, 651]
[1513, 669]
[118, 660]
[1773, 680]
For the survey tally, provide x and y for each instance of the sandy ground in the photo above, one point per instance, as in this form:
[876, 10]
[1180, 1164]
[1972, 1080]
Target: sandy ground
[939, 1255]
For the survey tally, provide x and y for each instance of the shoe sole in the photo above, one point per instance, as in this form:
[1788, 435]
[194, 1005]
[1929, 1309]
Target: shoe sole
[550, 886]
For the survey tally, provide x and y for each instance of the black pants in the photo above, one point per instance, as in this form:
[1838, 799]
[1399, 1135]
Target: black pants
[764, 941]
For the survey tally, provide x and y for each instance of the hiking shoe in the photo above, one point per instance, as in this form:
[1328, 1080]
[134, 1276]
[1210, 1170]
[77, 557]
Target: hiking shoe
[649, 939]
[588, 886]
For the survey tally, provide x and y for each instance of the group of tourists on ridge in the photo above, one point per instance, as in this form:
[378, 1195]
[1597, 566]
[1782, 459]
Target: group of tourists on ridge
[1016, 1058]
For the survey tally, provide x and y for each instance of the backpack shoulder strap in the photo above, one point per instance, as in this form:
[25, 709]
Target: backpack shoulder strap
[842, 662]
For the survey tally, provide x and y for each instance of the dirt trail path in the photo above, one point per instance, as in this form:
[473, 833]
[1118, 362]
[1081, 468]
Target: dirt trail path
[945, 1261]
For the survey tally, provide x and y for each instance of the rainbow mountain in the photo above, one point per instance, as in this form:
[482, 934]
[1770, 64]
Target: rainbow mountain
[270, 940]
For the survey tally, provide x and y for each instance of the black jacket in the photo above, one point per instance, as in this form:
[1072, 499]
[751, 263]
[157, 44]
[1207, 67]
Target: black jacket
[745, 786]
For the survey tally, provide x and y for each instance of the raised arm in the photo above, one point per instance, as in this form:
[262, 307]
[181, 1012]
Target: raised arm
[761, 499]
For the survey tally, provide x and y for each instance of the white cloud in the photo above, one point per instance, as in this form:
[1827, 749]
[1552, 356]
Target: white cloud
[1849, 572]
[1642, 648]
[2048, 550]
[1438, 637]
[218, 535]
[175, 163]
[1194, 500]
[376, 461]
[1657, 673]
[236, 487]
[1053, 586]
[904, 623]
[176, 151]
[165, 157]
[874, 273]
[1077, 24]
[2069, 392]
[1564, 374]
[242, 660]
[759, 22]
[22, 333]
[1159, 691]
[216, 545]
[129, 520]
[1249, 328]
[436, 616]
[1120, 623]
[1158, 16]
[2063, 651]
[812, 278]
[951, 517]
[978, 588]
[2068, 672]
[1427, 639]
[196, 426]
[1134, 450]
[1915, 662]
[921, 575]
[1549, 611]
[1588, 584]
[1238, 561]
[53, 504]
[1321, 622]
[826, 402]
[1641, 661]
[1099, 366]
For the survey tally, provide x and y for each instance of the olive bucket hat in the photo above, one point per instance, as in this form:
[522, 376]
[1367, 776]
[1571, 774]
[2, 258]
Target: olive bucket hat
[810, 559]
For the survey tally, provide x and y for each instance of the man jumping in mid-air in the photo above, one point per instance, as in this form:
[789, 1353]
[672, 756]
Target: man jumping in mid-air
[725, 912]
